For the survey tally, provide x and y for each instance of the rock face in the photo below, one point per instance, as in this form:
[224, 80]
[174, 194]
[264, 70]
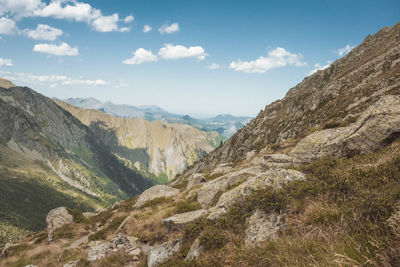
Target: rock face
[102, 249]
[178, 221]
[262, 227]
[341, 92]
[154, 192]
[377, 126]
[159, 254]
[207, 193]
[195, 180]
[155, 146]
[194, 251]
[56, 218]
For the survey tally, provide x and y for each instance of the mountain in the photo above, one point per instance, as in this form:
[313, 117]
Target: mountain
[226, 125]
[156, 148]
[49, 158]
[314, 179]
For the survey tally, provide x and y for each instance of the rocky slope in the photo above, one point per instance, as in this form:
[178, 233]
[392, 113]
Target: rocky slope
[48, 158]
[322, 189]
[156, 147]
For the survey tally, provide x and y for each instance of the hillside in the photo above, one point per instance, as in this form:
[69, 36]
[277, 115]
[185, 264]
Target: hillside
[313, 180]
[156, 147]
[225, 125]
[47, 159]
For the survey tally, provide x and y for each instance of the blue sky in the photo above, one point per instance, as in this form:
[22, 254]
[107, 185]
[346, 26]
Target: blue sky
[200, 57]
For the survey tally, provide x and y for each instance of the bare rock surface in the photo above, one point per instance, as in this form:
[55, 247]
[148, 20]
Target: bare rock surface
[160, 253]
[178, 221]
[207, 194]
[194, 251]
[56, 218]
[262, 227]
[195, 180]
[154, 192]
[102, 249]
[376, 127]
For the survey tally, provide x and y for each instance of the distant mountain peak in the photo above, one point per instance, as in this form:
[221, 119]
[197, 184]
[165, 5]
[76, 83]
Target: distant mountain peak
[6, 83]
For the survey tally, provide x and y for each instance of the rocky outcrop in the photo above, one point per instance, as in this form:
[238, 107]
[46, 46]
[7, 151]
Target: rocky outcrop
[56, 218]
[210, 190]
[103, 249]
[274, 177]
[194, 251]
[263, 226]
[178, 221]
[160, 253]
[378, 126]
[6, 83]
[154, 192]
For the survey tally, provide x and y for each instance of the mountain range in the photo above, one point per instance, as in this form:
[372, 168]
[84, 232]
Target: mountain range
[226, 124]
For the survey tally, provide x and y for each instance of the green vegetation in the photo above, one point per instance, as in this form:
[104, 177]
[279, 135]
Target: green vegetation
[110, 228]
[186, 206]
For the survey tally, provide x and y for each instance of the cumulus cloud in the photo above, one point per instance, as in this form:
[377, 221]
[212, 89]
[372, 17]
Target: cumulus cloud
[168, 29]
[59, 50]
[170, 51]
[64, 9]
[140, 56]
[276, 58]
[8, 26]
[147, 28]
[43, 32]
[343, 51]
[52, 80]
[5, 62]
[128, 19]
[213, 66]
[318, 67]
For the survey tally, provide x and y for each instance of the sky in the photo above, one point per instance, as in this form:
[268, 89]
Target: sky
[197, 57]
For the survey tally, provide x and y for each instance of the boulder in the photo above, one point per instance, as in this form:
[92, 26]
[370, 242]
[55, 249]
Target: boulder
[178, 221]
[154, 192]
[194, 251]
[276, 177]
[195, 179]
[160, 253]
[55, 219]
[209, 191]
[376, 127]
[262, 227]
[221, 169]
[102, 249]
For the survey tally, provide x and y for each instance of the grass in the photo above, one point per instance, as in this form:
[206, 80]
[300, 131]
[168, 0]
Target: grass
[103, 233]
[182, 206]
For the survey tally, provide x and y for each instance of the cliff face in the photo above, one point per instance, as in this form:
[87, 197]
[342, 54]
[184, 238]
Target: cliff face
[157, 147]
[334, 96]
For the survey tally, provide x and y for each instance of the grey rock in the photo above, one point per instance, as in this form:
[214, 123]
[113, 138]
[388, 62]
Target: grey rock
[154, 192]
[194, 251]
[71, 263]
[102, 249]
[195, 180]
[160, 253]
[56, 218]
[262, 227]
[178, 221]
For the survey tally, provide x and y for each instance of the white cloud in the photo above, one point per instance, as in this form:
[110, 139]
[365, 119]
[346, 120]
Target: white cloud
[140, 56]
[318, 67]
[63, 9]
[59, 50]
[343, 51]
[8, 26]
[213, 66]
[168, 29]
[170, 51]
[276, 58]
[52, 80]
[43, 32]
[147, 28]
[128, 19]
[122, 84]
[5, 62]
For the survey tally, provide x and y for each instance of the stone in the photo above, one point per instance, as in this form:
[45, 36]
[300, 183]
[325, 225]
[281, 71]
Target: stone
[88, 214]
[102, 249]
[195, 180]
[207, 193]
[221, 169]
[160, 253]
[276, 177]
[376, 127]
[178, 221]
[262, 227]
[194, 251]
[154, 192]
[71, 264]
[56, 218]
